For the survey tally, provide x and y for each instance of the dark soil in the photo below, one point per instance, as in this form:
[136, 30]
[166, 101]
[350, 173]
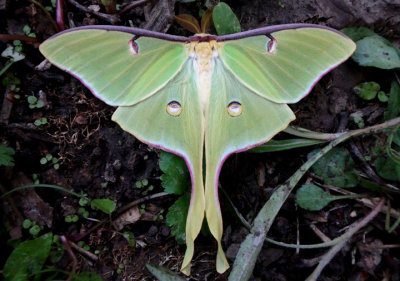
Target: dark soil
[98, 158]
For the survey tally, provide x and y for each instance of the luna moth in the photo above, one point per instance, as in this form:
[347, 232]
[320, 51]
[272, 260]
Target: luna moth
[202, 97]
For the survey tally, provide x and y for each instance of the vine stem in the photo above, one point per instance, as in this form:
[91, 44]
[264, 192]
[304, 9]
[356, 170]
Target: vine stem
[250, 248]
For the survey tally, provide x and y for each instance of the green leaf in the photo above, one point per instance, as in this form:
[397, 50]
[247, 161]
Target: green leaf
[105, 205]
[32, 99]
[130, 237]
[372, 49]
[387, 168]
[314, 198]
[367, 90]
[27, 223]
[87, 276]
[176, 217]
[336, 168]
[27, 258]
[382, 96]
[6, 156]
[27, 29]
[358, 33]
[176, 177]
[279, 145]
[225, 21]
[163, 274]
[393, 108]
[34, 230]
[359, 121]
[57, 250]
[378, 52]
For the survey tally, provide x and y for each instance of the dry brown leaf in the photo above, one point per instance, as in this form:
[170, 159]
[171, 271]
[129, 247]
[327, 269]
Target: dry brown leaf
[128, 217]
[206, 20]
[188, 22]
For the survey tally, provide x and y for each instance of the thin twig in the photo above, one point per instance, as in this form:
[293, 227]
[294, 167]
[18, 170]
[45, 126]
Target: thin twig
[67, 245]
[344, 239]
[367, 168]
[84, 252]
[46, 12]
[113, 19]
[132, 6]
[139, 201]
[319, 233]
[18, 37]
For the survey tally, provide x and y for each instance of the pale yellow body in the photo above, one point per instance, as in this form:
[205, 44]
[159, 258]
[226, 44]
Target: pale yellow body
[203, 55]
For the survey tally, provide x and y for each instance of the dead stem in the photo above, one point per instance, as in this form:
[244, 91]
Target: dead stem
[344, 239]
[67, 245]
[113, 19]
[84, 252]
[132, 6]
[18, 37]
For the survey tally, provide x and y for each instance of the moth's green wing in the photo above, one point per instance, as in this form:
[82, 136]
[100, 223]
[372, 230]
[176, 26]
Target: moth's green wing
[103, 60]
[287, 74]
[182, 135]
[224, 134]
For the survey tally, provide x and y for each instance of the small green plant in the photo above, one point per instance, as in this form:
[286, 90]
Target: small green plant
[83, 212]
[71, 218]
[120, 268]
[142, 183]
[50, 159]
[34, 102]
[159, 216]
[6, 155]
[83, 245]
[359, 121]
[130, 237]
[142, 209]
[33, 227]
[12, 82]
[35, 179]
[40, 121]
[28, 31]
[83, 199]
